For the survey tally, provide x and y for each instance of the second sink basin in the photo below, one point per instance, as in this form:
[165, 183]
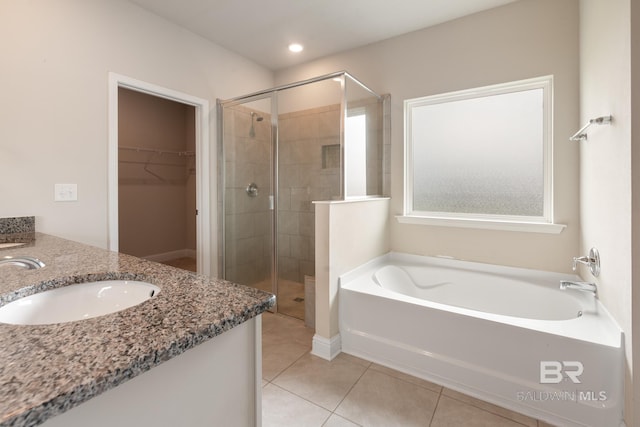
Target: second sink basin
[77, 302]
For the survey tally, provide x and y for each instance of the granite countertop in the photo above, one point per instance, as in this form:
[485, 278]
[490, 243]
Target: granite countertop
[48, 369]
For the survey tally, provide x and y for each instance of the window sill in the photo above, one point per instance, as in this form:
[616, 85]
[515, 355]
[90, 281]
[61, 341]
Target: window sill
[483, 224]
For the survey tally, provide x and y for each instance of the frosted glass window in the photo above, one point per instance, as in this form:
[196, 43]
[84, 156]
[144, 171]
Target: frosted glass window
[481, 153]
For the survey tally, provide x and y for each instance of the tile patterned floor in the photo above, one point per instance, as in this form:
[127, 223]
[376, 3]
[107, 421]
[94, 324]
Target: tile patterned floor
[302, 390]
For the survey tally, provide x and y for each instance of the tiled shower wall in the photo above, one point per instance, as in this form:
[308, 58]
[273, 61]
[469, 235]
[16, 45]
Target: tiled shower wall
[305, 137]
[309, 170]
[247, 219]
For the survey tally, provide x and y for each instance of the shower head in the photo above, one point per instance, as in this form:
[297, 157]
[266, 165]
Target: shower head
[252, 131]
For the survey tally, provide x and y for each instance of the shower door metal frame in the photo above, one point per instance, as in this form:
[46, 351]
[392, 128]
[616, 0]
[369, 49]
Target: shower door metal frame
[273, 94]
[256, 95]
[221, 105]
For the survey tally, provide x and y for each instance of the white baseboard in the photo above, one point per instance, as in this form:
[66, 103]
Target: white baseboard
[166, 256]
[325, 348]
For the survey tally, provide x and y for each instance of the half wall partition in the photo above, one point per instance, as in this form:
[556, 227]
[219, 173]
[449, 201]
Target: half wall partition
[280, 150]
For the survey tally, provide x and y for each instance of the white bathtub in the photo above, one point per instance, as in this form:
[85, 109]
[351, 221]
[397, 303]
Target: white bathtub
[506, 335]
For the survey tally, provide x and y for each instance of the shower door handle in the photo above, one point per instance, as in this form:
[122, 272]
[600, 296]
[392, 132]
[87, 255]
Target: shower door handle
[271, 207]
[252, 189]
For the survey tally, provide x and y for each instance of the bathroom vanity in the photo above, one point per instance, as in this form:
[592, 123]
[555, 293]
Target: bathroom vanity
[190, 355]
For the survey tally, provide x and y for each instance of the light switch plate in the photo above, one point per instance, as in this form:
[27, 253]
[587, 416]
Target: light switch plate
[65, 192]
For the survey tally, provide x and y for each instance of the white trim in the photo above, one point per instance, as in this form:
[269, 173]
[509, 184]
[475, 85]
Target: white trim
[203, 221]
[258, 369]
[531, 227]
[351, 200]
[325, 348]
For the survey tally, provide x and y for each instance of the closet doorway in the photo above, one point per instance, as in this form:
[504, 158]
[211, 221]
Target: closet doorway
[157, 149]
[156, 179]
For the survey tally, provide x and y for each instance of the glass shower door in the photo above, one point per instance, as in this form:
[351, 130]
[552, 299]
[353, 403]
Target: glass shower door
[247, 216]
[308, 170]
[282, 149]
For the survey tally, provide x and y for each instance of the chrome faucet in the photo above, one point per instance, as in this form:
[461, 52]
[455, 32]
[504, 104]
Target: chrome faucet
[27, 262]
[580, 286]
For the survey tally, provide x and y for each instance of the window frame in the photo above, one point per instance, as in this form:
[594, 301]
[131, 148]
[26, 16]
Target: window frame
[542, 223]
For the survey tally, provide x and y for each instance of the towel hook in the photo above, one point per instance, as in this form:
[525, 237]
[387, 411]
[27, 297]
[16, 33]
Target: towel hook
[581, 135]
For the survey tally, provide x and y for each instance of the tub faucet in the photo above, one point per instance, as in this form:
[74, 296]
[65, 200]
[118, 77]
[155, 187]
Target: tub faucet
[27, 262]
[580, 286]
[592, 261]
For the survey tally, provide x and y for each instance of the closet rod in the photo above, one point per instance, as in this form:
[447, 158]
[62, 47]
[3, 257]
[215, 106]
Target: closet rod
[151, 150]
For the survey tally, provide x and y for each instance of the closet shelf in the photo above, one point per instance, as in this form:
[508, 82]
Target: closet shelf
[163, 165]
[151, 150]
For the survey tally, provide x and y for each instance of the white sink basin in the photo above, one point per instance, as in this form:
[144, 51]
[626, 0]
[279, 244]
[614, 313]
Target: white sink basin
[77, 302]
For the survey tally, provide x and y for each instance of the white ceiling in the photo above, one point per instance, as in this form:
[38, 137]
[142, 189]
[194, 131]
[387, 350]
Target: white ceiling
[261, 30]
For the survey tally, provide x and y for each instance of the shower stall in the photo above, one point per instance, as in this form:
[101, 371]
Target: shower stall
[279, 151]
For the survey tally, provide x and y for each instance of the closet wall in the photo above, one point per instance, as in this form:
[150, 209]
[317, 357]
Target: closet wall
[156, 173]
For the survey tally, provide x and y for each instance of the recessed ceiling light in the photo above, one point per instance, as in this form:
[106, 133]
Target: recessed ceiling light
[295, 47]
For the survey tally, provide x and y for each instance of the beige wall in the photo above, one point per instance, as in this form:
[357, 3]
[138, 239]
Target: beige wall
[605, 161]
[344, 241]
[525, 39]
[56, 56]
[190, 172]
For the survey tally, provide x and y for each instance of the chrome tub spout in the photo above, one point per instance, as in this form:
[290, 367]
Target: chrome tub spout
[580, 286]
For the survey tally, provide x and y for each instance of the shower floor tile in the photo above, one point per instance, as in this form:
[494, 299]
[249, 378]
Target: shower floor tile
[290, 296]
[300, 389]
